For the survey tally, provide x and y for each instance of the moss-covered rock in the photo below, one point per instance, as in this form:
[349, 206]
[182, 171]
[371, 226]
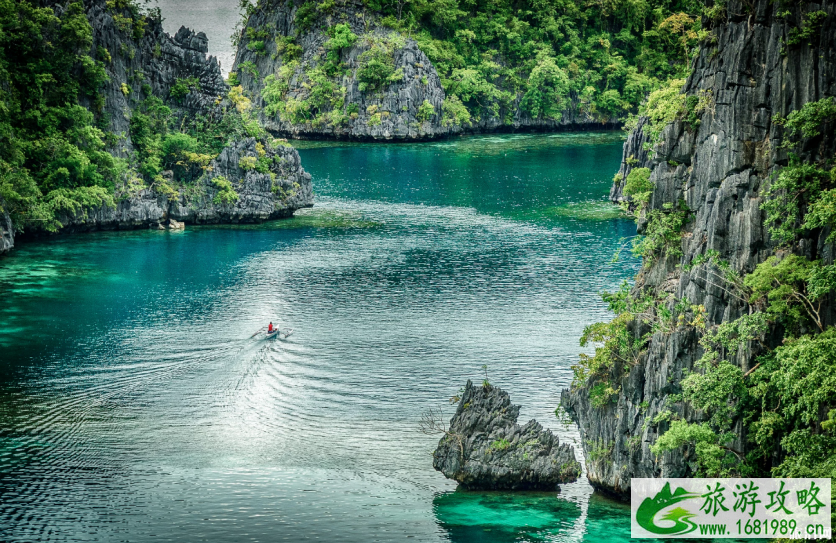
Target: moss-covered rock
[485, 448]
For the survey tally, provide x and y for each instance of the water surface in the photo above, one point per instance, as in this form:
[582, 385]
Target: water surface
[134, 406]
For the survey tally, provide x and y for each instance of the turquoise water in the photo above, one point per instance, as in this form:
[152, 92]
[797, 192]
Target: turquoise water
[134, 406]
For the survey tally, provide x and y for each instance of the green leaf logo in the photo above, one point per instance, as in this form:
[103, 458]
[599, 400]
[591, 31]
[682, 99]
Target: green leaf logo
[650, 507]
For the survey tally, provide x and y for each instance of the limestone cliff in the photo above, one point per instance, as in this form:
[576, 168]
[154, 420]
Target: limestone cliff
[6, 230]
[143, 61]
[260, 196]
[275, 43]
[149, 66]
[484, 447]
[719, 168]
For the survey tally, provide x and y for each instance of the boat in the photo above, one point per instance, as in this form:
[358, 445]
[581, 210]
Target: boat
[276, 333]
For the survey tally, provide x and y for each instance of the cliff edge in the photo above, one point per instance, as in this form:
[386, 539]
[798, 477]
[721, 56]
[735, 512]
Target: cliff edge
[341, 73]
[708, 175]
[165, 138]
[484, 447]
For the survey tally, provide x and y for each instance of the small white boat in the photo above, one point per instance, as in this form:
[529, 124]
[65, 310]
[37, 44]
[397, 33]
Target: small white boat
[276, 333]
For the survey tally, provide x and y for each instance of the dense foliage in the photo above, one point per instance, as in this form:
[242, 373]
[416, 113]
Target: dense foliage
[56, 157]
[599, 58]
[784, 396]
[497, 56]
[52, 153]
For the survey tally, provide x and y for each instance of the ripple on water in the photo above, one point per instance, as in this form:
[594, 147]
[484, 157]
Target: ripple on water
[135, 406]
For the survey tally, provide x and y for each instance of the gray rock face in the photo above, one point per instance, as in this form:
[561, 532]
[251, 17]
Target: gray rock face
[7, 234]
[719, 169]
[486, 449]
[383, 114]
[261, 196]
[150, 66]
[154, 62]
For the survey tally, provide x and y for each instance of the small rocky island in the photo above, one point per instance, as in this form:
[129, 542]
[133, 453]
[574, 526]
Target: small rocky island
[485, 449]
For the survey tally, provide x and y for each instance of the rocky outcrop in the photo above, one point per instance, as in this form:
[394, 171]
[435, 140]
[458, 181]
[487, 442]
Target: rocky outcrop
[391, 112]
[142, 61]
[7, 234]
[719, 169]
[149, 65]
[274, 194]
[485, 448]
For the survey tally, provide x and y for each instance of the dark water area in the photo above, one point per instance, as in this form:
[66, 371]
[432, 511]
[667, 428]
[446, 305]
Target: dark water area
[135, 407]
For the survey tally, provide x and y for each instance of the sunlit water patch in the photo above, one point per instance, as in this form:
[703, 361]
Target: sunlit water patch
[135, 404]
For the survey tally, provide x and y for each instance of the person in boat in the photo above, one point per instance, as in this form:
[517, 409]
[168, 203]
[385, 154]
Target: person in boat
[270, 328]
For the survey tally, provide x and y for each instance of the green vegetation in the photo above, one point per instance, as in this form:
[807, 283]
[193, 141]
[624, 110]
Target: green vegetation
[638, 186]
[785, 400]
[426, 111]
[56, 156]
[186, 148]
[616, 346]
[802, 196]
[500, 445]
[341, 37]
[599, 451]
[377, 64]
[807, 121]
[182, 87]
[780, 399]
[667, 104]
[592, 210]
[249, 67]
[454, 112]
[53, 156]
[662, 233]
[548, 90]
[599, 60]
[226, 194]
[807, 30]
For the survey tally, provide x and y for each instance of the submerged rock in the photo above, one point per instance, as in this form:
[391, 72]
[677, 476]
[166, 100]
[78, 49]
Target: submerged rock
[484, 447]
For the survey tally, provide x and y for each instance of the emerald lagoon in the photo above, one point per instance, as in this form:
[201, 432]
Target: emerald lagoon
[134, 406]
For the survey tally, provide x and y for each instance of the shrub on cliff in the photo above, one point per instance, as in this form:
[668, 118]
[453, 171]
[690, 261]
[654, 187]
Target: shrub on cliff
[454, 112]
[638, 186]
[340, 37]
[611, 56]
[52, 153]
[377, 65]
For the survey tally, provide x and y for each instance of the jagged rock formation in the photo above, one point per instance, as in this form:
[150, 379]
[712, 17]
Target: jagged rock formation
[719, 169]
[485, 448]
[150, 65]
[261, 196]
[391, 112]
[6, 230]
